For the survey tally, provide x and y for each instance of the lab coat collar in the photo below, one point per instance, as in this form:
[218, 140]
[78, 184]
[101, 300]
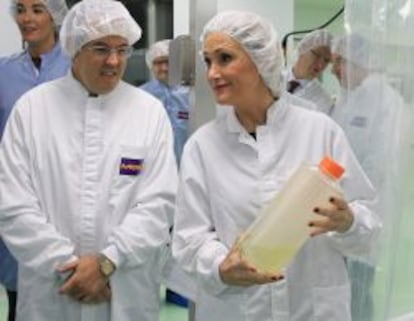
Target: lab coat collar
[275, 115]
[75, 85]
[47, 58]
[53, 54]
[291, 76]
[79, 90]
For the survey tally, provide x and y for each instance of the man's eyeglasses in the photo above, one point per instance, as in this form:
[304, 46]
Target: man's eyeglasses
[318, 56]
[104, 51]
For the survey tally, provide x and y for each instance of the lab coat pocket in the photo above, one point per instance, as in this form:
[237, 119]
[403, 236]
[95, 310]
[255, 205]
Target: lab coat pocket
[127, 174]
[130, 165]
[332, 303]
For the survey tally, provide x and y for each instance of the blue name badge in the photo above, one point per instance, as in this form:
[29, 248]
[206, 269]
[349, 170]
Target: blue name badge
[359, 121]
[130, 166]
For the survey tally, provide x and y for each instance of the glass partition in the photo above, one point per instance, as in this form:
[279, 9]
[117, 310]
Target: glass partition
[386, 26]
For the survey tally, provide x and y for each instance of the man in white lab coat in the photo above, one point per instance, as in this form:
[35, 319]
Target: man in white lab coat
[87, 181]
[313, 56]
[369, 111]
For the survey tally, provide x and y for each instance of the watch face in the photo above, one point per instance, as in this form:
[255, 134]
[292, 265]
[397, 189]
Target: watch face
[107, 268]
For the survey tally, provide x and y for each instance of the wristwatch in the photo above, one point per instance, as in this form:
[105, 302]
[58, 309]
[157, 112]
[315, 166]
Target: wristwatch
[106, 266]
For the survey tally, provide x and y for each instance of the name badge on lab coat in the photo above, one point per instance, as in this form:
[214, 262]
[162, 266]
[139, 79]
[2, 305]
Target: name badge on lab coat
[359, 121]
[130, 166]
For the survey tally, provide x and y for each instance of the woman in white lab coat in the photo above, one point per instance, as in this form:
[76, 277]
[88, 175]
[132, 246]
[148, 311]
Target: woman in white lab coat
[235, 164]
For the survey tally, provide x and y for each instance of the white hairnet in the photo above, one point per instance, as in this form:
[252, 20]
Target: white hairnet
[258, 37]
[56, 8]
[314, 39]
[93, 19]
[354, 48]
[158, 49]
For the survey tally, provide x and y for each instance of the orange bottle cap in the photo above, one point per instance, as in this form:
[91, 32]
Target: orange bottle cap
[329, 166]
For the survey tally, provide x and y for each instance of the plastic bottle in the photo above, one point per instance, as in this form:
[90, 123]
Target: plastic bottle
[278, 233]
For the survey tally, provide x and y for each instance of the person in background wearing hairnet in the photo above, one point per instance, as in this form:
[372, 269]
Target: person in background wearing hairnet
[313, 56]
[41, 60]
[369, 111]
[88, 181]
[176, 102]
[232, 167]
[174, 98]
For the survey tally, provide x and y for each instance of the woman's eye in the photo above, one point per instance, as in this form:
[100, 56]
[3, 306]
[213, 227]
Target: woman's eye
[39, 11]
[207, 61]
[20, 9]
[225, 58]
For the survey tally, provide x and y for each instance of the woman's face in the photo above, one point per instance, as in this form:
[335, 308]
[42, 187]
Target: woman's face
[231, 73]
[35, 22]
[348, 74]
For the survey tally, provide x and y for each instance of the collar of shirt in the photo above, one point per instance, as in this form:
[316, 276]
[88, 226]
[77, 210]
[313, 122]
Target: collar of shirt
[78, 90]
[48, 57]
[275, 114]
[291, 77]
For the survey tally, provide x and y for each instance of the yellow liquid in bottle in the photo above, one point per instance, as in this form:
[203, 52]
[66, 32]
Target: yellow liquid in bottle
[274, 238]
[270, 259]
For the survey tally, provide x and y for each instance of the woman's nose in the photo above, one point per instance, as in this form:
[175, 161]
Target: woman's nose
[213, 71]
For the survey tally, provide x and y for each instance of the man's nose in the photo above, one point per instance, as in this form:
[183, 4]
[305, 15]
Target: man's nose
[113, 58]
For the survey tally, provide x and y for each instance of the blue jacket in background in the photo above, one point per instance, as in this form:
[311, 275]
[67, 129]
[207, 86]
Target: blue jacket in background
[176, 102]
[18, 74]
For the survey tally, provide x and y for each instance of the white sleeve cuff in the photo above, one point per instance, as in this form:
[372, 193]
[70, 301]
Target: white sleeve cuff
[112, 253]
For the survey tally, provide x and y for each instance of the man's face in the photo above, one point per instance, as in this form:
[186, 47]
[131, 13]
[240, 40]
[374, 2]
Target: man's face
[100, 64]
[312, 63]
[160, 68]
[348, 74]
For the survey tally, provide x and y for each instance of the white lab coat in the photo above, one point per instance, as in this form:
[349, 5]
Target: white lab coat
[311, 90]
[63, 195]
[298, 101]
[370, 116]
[227, 177]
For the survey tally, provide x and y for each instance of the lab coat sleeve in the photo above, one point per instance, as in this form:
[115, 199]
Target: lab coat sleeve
[196, 245]
[144, 232]
[362, 236]
[24, 227]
